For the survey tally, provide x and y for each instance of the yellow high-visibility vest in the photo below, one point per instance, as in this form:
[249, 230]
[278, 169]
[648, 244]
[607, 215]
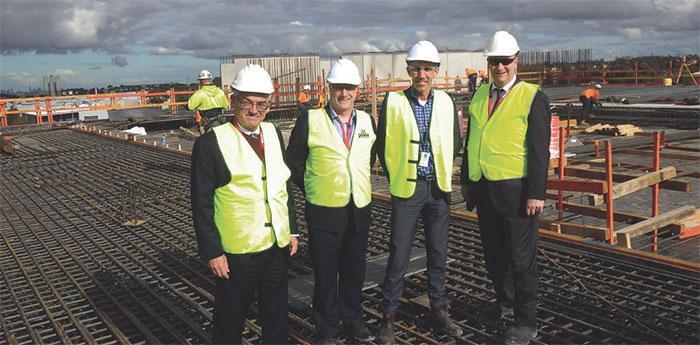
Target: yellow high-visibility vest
[251, 212]
[402, 148]
[497, 147]
[333, 172]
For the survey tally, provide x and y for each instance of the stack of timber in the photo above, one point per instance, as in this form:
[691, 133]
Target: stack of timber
[618, 130]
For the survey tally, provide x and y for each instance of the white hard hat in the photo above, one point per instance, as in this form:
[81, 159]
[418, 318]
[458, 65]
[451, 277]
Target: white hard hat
[597, 86]
[502, 44]
[423, 51]
[204, 74]
[253, 78]
[344, 71]
[307, 87]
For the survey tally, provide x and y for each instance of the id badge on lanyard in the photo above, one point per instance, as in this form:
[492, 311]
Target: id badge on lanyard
[424, 159]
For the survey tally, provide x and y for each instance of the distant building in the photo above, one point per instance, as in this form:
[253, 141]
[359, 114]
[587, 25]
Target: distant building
[52, 85]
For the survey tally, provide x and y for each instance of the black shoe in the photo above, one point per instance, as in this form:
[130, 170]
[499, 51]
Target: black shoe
[520, 335]
[385, 335]
[494, 312]
[328, 341]
[361, 333]
[442, 323]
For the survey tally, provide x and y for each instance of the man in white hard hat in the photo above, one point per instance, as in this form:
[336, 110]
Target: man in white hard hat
[243, 213]
[209, 101]
[418, 137]
[304, 98]
[331, 155]
[504, 174]
[588, 97]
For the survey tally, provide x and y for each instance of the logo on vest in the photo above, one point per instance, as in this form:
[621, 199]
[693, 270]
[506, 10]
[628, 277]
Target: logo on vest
[363, 134]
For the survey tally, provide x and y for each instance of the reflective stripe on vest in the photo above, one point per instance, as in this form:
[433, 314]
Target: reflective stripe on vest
[497, 147]
[331, 171]
[251, 212]
[402, 148]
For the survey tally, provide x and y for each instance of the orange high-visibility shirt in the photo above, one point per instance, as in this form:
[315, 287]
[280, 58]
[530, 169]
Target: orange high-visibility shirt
[591, 93]
[303, 98]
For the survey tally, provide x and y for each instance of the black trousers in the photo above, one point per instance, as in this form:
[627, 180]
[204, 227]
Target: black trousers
[585, 108]
[264, 273]
[472, 82]
[509, 238]
[338, 259]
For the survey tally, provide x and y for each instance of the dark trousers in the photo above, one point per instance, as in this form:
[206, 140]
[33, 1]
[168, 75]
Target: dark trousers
[585, 108]
[509, 238]
[338, 260]
[472, 82]
[434, 205]
[264, 273]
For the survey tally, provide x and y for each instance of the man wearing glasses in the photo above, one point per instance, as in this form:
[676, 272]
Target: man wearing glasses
[331, 156]
[243, 213]
[504, 174]
[418, 137]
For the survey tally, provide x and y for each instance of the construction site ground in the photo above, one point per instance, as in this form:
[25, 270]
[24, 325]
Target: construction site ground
[97, 246]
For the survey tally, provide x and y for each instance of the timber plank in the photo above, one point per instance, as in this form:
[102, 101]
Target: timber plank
[671, 184]
[644, 181]
[686, 156]
[598, 187]
[625, 235]
[682, 147]
[596, 232]
[621, 217]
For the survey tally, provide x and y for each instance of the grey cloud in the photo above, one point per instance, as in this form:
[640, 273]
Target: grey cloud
[211, 29]
[119, 61]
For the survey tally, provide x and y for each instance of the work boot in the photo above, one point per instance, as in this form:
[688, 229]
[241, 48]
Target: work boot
[442, 323]
[519, 335]
[385, 335]
[361, 333]
[328, 341]
[494, 312]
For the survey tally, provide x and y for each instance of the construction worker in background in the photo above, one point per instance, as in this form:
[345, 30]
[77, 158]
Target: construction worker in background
[418, 137]
[304, 98]
[243, 212]
[588, 98]
[209, 101]
[505, 177]
[471, 74]
[484, 77]
[331, 157]
[321, 99]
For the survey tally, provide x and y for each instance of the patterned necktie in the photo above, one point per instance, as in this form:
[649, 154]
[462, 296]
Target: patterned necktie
[498, 93]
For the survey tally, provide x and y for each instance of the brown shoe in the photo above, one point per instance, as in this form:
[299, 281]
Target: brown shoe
[442, 323]
[385, 335]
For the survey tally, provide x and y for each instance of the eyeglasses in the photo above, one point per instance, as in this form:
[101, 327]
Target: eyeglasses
[248, 105]
[416, 69]
[504, 62]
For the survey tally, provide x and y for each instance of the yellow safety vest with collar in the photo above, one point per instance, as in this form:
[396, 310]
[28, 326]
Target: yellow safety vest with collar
[497, 147]
[402, 148]
[208, 97]
[251, 212]
[333, 172]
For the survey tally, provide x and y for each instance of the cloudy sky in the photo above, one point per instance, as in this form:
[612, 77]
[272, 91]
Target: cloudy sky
[97, 43]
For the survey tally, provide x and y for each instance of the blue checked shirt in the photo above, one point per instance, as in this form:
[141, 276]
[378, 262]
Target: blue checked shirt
[341, 126]
[423, 116]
